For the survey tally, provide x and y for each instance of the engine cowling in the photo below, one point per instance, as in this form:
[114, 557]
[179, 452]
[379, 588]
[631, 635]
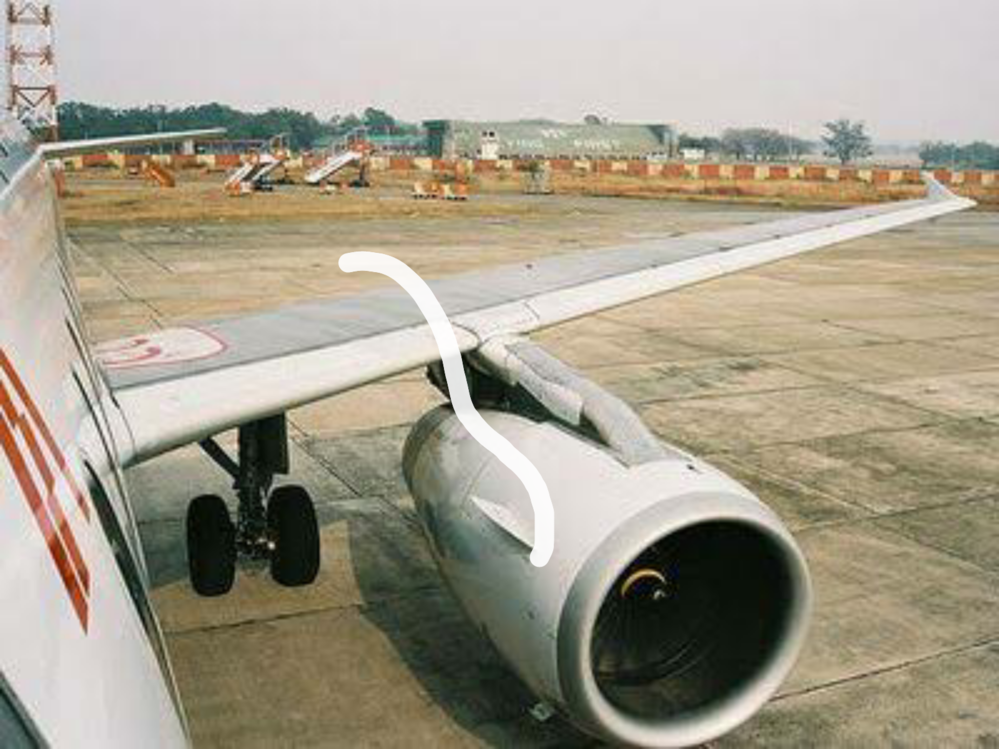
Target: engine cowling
[674, 604]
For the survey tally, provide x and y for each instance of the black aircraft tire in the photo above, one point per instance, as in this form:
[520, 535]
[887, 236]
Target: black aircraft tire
[294, 531]
[211, 546]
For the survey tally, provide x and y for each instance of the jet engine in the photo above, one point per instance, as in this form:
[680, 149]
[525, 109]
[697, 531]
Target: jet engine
[673, 606]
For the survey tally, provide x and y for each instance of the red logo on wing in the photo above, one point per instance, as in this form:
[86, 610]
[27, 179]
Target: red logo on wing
[38, 464]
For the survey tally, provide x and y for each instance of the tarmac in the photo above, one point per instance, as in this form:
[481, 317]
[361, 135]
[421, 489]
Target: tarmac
[856, 389]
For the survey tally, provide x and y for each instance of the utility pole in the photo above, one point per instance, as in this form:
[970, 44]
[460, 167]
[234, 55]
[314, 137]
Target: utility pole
[31, 74]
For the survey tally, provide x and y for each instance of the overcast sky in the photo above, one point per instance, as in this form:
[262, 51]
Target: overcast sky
[913, 69]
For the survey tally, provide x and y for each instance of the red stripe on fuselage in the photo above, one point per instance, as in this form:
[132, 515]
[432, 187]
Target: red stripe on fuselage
[39, 422]
[55, 528]
[30, 492]
[20, 424]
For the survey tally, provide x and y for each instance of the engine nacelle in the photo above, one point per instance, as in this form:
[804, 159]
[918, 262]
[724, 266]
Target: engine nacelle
[673, 606]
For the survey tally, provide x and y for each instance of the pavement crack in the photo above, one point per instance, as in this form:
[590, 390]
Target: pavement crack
[338, 609]
[873, 673]
[327, 465]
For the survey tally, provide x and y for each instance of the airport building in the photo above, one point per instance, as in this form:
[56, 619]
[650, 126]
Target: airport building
[448, 139]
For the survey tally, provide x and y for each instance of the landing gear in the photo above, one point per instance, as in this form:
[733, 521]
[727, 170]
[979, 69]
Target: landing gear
[211, 546]
[292, 526]
[278, 526]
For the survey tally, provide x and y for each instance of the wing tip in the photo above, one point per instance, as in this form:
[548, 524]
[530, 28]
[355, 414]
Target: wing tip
[936, 190]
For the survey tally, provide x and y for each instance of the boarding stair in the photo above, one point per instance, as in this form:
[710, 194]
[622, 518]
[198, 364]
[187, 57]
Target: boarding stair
[332, 165]
[253, 174]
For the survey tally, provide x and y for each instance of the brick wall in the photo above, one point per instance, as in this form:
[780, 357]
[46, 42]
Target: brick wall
[720, 178]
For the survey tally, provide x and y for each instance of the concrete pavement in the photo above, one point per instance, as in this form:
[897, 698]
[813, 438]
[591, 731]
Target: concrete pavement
[856, 389]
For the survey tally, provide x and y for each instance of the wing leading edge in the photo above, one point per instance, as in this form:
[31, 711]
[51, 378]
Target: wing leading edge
[66, 148]
[180, 386]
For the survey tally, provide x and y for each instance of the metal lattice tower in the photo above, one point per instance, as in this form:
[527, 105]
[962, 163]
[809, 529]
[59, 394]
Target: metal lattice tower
[31, 72]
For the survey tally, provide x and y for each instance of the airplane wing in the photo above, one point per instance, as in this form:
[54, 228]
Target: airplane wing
[66, 148]
[179, 386]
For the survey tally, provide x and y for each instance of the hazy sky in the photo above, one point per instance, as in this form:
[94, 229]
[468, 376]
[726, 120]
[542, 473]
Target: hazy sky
[914, 69]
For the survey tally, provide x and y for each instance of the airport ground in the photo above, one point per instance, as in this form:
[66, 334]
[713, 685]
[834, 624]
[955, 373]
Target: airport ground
[856, 389]
[111, 195]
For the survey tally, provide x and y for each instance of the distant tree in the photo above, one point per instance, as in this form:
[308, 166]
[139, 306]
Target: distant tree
[347, 123]
[766, 144]
[734, 143]
[762, 144]
[378, 120]
[846, 141]
[798, 147]
[711, 144]
[980, 155]
[705, 142]
[594, 119]
[938, 153]
[302, 129]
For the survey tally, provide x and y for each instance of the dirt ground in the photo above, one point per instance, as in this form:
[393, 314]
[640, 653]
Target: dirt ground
[102, 196]
[109, 197]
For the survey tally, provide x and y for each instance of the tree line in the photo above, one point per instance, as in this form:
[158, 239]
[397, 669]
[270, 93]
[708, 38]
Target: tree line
[751, 143]
[977, 155]
[844, 140]
[304, 129]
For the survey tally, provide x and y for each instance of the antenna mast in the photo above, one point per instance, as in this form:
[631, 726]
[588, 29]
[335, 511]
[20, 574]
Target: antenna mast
[31, 72]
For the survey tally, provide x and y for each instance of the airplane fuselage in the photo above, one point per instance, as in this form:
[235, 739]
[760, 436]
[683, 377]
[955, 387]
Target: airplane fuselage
[81, 655]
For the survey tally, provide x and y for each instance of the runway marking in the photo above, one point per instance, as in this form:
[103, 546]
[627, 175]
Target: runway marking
[454, 371]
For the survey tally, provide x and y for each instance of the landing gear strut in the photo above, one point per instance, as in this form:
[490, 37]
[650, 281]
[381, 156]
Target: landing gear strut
[279, 526]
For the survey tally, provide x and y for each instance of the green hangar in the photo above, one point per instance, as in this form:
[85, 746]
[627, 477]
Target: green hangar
[542, 139]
